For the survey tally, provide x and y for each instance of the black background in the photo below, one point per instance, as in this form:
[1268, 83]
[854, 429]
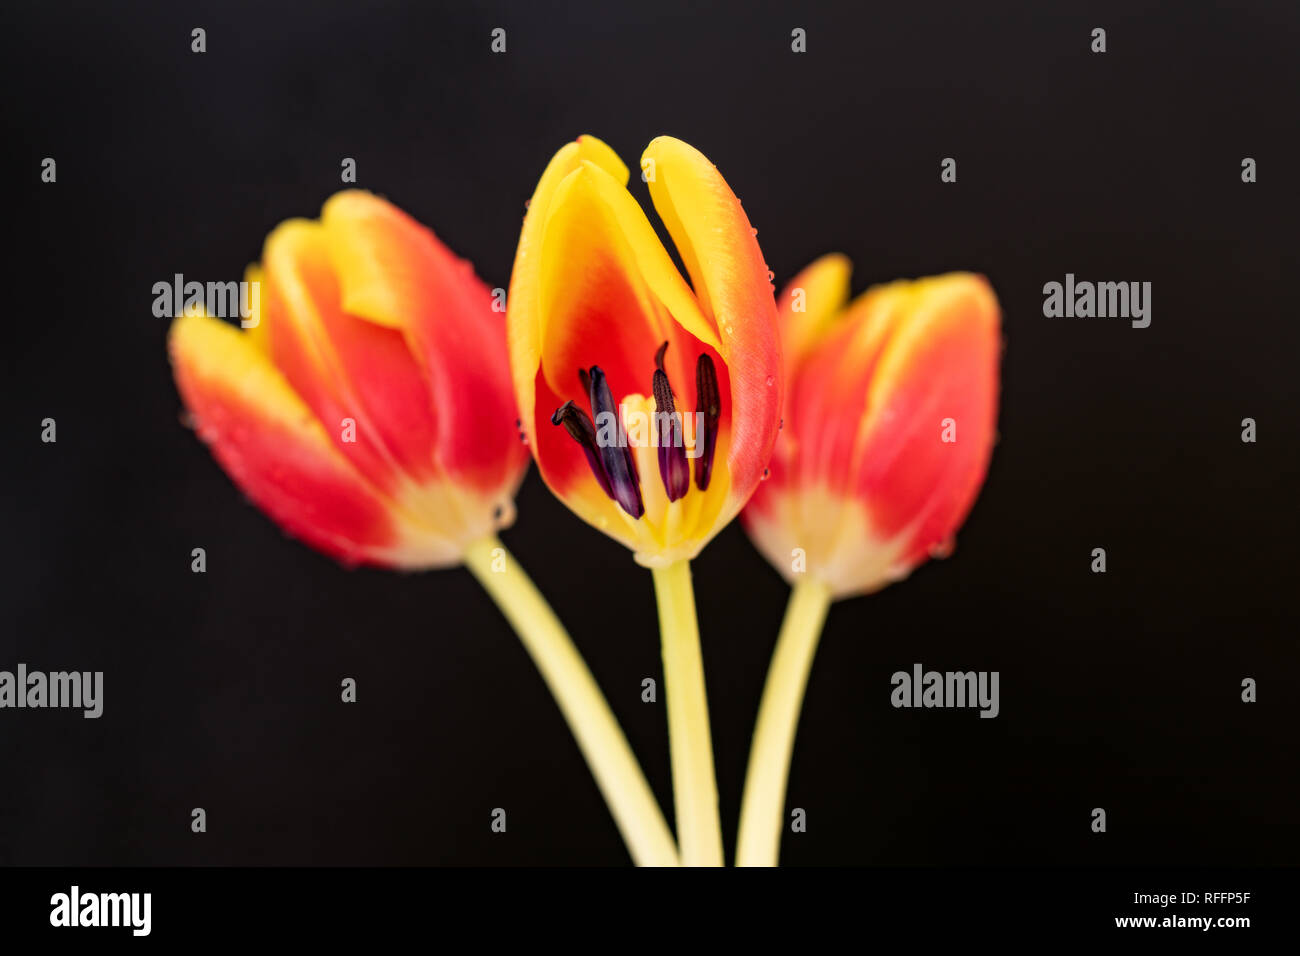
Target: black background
[222, 690]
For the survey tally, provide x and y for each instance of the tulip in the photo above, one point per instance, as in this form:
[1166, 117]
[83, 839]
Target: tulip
[368, 410]
[651, 405]
[602, 322]
[890, 421]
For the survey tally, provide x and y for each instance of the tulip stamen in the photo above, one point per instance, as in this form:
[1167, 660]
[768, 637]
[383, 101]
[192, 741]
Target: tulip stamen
[608, 455]
[577, 423]
[616, 456]
[673, 470]
[709, 404]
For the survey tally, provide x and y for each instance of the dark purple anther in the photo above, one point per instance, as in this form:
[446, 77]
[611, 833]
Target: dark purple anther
[673, 470]
[580, 429]
[615, 455]
[709, 404]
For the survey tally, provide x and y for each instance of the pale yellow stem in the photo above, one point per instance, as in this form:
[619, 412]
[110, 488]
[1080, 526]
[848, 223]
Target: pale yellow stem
[762, 807]
[593, 724]
[695, 790]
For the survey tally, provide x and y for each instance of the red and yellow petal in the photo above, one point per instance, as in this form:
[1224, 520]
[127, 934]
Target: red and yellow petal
[524, 327]
[358, 377]
[827, 535]
[592, 282]
[594, 304]
[272, 445]
[809, 307]
[731, 282]
[395, 274]
[254, 326]
[925, 445]
[828, 399]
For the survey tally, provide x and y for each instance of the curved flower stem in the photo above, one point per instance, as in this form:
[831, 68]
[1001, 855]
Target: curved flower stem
[593, 724]
[762, 808]
[695, 790]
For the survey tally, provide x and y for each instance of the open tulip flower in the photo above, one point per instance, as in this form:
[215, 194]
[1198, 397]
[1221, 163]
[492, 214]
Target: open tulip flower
[368, 409]
[651, 405]
[605, 333]
[890, 421]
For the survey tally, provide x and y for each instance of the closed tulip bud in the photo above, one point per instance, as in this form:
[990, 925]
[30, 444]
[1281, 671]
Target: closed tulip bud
[368, 410]
[890, 421]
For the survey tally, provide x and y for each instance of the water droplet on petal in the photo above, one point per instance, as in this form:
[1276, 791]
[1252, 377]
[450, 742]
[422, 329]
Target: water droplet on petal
[767, 473]
[771, 380]
[780, 424]
[753, 231]
[528, 202]
[770, 275]
[728, 329]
